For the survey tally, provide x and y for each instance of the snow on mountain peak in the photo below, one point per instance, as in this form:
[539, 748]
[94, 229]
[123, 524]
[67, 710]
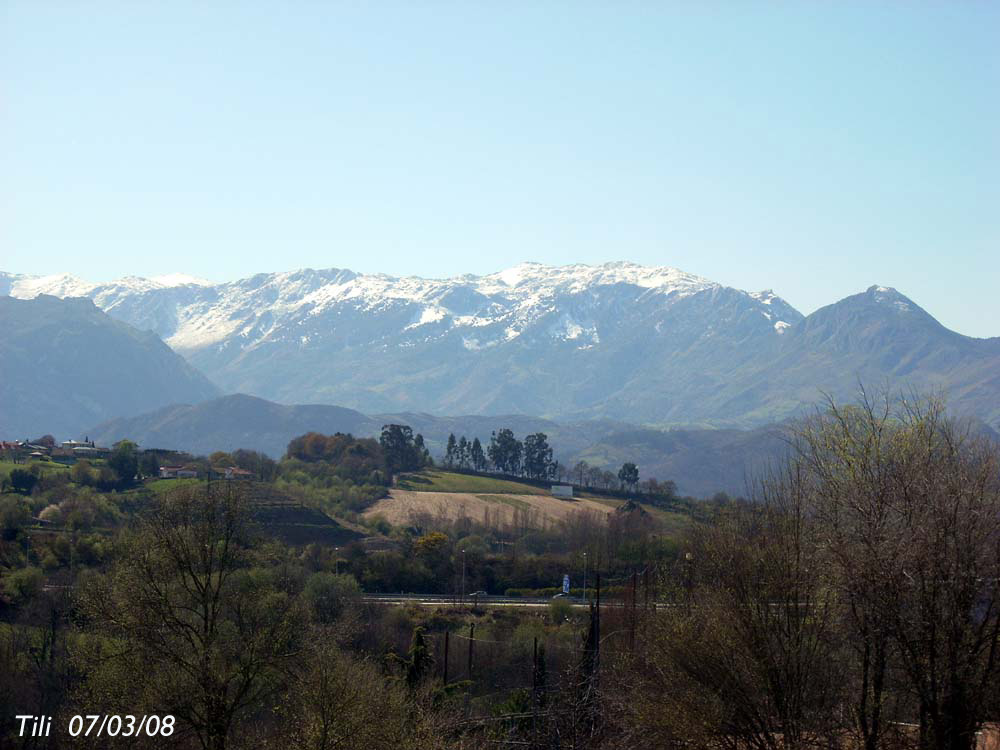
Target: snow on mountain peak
[58, 285]
[169, 280]
[889, 296]
[192, 314]
[578, 276]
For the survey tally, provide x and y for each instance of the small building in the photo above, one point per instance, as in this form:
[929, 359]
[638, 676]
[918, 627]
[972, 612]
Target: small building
[232, 472]
[177, 472]
[562, 490]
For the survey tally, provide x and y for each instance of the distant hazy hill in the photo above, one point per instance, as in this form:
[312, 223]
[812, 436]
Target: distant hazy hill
[65, 365]
[618, 341]
[232, 422]
[702, 462]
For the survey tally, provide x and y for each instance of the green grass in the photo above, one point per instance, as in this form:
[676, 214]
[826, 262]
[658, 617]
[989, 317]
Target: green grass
[6, 466]
[446, 481]
[159, 486]
[46, 467]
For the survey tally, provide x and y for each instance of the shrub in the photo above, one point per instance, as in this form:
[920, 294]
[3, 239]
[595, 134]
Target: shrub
[23, 585]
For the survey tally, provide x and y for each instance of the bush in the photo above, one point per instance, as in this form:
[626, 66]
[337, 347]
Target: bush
[23, 481]
[14, 514]
[330, 595]
[560, 610]
[23, 585]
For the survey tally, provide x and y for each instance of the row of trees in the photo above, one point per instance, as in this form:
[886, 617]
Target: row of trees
[464, 454]
[505, 454]
[533, 458]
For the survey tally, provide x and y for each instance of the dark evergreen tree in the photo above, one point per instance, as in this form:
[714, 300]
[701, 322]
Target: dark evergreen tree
[477, 455]
[628, 475]
[400, 449]
[149, 463]
[505, 451]
[418, 659]
[124, 460]
[537, 456]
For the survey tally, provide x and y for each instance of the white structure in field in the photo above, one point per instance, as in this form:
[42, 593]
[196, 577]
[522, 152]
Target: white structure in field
[562, 490]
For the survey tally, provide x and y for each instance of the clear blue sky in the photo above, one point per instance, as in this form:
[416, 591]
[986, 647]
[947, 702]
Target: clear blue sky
[816, 148]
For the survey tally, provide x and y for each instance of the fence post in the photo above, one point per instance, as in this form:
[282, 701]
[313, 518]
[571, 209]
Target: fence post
[631, 638]
[534, 695]
[446, 634]
[472, 640]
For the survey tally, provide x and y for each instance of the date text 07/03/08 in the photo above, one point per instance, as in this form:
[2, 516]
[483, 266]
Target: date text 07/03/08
[99, 726]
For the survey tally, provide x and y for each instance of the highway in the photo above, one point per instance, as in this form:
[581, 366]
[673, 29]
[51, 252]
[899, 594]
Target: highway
[443, 600]
[440, 600]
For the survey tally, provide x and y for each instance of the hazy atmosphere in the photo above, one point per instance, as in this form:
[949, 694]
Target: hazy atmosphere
[815, 149]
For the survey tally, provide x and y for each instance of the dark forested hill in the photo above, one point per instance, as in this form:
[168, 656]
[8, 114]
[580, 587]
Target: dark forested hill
[65, 365]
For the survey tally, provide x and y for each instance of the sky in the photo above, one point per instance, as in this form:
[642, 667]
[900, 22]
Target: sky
[812, 148]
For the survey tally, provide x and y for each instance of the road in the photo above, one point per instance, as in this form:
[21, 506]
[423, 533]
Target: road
[439, 600]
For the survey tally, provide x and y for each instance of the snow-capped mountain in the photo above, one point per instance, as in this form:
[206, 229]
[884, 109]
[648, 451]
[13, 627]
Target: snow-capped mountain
[641, 344]
[191, 314]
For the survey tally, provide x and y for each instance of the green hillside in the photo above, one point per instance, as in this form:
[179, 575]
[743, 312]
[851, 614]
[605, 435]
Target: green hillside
[447, 481]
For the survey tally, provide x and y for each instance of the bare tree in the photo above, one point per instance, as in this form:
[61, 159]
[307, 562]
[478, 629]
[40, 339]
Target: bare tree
[749, 659]
[910, 501]
[194, 631]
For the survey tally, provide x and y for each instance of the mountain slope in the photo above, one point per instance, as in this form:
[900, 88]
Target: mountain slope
[65, 364]
[652, 346]
[231, 422]
[877, 337]
[532, 339]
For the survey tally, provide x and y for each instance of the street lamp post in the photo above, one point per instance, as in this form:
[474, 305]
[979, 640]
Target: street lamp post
[336, 559]
[463, 576]
[585, 576]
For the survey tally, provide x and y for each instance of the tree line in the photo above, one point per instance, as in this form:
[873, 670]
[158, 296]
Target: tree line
[533, 458]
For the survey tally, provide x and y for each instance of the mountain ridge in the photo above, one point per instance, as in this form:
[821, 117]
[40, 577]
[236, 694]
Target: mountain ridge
[647, 345]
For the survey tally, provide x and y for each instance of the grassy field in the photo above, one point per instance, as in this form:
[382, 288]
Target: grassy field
[403, 506]
[46, 466]
[446, 481]
[454, 495]
[6, 466]
[162, 485]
